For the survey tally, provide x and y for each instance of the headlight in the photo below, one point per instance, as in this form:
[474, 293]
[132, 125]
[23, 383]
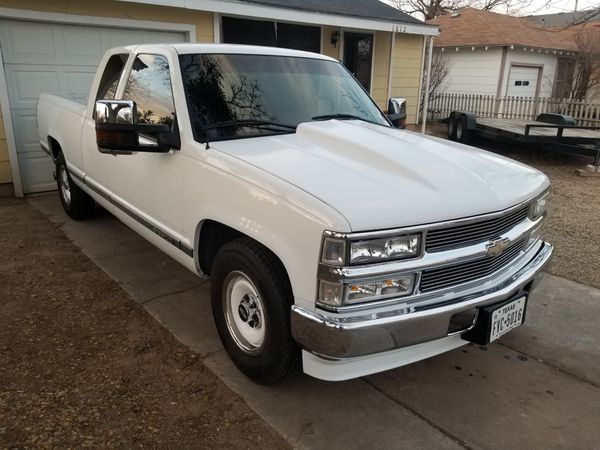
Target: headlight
[339, 251]
[539, 206]
[385, 249]
[377, 290]
[338, 294]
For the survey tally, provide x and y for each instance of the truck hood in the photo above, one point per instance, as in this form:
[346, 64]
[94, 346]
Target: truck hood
[379, 177]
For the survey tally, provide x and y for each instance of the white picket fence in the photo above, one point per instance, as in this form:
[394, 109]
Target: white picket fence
[526, 108]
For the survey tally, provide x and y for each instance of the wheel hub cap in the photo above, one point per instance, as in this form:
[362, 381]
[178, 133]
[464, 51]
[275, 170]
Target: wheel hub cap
[249, 311]
[244, 312]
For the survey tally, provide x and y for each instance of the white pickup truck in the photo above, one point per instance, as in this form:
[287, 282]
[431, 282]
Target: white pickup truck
[331, 238]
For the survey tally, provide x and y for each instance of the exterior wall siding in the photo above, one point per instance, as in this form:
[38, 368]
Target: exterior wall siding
[406, 72]
[381, 68]
[328, 49]
[473, 71]
[478, 71]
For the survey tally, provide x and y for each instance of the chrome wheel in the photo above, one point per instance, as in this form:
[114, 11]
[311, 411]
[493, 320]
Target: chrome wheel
[64, 185]
[244, 312]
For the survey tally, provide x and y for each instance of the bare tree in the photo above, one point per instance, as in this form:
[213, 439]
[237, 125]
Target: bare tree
[440, 68]
[430, 9]
[586, 77]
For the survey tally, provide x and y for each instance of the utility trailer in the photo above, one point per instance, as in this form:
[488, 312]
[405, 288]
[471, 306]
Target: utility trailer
[549, 131]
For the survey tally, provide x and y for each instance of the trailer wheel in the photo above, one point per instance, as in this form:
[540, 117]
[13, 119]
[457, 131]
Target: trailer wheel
[463, 134]
[452, 127]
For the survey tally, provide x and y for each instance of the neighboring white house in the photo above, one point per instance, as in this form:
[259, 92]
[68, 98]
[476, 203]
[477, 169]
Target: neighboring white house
[497, 54]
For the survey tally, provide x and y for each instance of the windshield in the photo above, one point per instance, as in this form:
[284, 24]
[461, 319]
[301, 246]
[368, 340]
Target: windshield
[232, 96]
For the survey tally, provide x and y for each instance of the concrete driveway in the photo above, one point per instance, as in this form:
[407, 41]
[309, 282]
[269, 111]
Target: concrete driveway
[538, 388]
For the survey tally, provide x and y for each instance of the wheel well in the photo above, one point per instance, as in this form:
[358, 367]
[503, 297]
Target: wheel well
[54, 146]
[213, 235]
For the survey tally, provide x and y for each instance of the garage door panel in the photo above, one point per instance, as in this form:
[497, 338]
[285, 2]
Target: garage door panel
[77, 81]
[25, 84]
[83, 44]
[26, 41]
[117, 38]
[522, 81]
[25, 129]
[36, 173]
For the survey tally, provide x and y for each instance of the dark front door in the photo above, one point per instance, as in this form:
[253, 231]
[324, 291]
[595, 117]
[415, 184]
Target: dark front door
[358, 50]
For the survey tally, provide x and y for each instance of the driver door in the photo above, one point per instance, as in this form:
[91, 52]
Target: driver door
[148, 184]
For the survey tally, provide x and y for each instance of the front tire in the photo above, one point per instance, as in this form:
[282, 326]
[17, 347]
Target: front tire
[76, 203]
[251, 301]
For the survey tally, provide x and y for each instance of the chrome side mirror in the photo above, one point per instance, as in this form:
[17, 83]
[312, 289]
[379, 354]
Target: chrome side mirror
[116, 111]
[119, 133]
[397, 111]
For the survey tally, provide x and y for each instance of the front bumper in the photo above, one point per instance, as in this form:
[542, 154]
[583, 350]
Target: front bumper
[336, 337]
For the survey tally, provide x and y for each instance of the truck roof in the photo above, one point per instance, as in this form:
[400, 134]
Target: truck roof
[229, 48]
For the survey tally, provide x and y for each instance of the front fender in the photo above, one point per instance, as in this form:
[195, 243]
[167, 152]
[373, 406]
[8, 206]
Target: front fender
[286, 220]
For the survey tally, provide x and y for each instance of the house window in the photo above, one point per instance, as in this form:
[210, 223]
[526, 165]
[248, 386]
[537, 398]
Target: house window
[299, 37]
[271, 34]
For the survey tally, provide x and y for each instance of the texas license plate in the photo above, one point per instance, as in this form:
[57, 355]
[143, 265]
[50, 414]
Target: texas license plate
[507, 317]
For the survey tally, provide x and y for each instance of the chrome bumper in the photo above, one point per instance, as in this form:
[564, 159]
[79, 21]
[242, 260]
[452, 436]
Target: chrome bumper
[338, 337]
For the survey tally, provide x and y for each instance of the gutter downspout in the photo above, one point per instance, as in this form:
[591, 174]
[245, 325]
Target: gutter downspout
[427, 80]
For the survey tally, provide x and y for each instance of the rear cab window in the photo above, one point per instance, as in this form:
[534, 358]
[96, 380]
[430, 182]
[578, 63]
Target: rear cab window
[110, 78]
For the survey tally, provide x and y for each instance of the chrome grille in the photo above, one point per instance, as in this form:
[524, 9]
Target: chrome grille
[473, 232]
[444, 277]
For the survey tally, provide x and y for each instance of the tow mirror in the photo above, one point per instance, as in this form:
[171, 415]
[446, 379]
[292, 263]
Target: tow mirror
[118, 133]
[397, 111]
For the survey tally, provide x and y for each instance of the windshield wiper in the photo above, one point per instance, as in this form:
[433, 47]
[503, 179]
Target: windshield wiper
[340, 116]
[244, 123]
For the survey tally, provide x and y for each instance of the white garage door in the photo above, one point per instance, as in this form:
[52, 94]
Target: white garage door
[55, 58]
[522, 81]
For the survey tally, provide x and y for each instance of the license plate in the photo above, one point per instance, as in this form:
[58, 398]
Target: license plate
[507, 317]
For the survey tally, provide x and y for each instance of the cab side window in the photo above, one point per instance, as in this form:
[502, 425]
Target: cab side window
[149, 86]
[110, 78]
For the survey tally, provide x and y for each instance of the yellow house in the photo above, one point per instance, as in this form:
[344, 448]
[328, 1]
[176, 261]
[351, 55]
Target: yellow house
[55, 45]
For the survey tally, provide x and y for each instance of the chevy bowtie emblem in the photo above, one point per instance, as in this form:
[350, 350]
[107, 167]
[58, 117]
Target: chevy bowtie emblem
[497, 246]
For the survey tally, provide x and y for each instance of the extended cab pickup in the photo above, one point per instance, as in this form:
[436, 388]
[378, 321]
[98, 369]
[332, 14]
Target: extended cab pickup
[331, 237]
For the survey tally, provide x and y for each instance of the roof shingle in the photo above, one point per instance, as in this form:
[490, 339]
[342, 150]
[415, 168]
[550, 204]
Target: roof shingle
[475, 27]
